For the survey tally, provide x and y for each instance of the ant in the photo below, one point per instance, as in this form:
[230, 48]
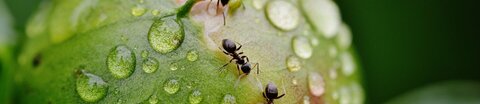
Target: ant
[224, 3]
[242, 61]
[271, 93]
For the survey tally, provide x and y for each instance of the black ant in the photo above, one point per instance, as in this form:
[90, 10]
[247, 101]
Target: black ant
[242, 61]
[224, 3]
[271, 93]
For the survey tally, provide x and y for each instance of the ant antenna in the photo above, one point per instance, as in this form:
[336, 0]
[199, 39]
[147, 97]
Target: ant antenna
[258, 66]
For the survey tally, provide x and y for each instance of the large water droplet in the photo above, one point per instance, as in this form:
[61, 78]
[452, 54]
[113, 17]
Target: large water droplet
[195, 97]
[316, 84]
[192, 55]
[348, 64]
[344, 37]
[165, 35]
[357, 95]
[302, 47]
[283, 14]
[345, 96]
[293, 63]
[229, 99]
[323, 15]
[121, 61]
[90, 87]
[150, 65]
[153, 99]
[138, 11]
[171, 86]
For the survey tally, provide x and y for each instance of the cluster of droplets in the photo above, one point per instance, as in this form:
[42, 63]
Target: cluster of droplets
[323, 19]
[167, 34]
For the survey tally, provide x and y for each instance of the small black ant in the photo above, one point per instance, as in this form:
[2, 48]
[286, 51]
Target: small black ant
[224, 3]
[242, 61]
[271, 93]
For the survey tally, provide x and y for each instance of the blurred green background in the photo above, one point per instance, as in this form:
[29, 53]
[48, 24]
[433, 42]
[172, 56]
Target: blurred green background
[405, 44]
[402, 44]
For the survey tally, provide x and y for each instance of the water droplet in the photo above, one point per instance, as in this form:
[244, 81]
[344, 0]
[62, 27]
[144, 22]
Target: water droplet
[348, 66]
[258, 4]
[345, 95]
[150, 65]
[165, 35]
[195, 97]
[324, 16]
[155, 12]
[293, 64]
[306, 100]
[357, 93]
[138, 11]
[344, 37]
[171, 86]
[192, 55]
[90, 87]
[121, 61]
[316, 84]
[302, 47]
[283, 15]
[145, 54]
[229, 99]
[153, 99]
[174, 66]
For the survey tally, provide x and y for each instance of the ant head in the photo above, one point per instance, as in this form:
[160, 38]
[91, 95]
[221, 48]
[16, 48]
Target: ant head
[246, 68]
[224, 2]
[229, 45]
[271, 91]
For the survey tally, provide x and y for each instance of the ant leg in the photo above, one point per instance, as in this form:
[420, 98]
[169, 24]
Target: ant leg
[264, 95]
[216, 11]
[238, 80]
[243, 57]
[243, 6]
[240, 46]
[258, 66]
[223, 51]
[280, 96]
[238, 68]
[226, 64]
[240, 53]
[224, 22]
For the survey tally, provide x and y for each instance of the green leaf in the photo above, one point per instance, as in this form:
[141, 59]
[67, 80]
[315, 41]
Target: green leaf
[83, 33]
